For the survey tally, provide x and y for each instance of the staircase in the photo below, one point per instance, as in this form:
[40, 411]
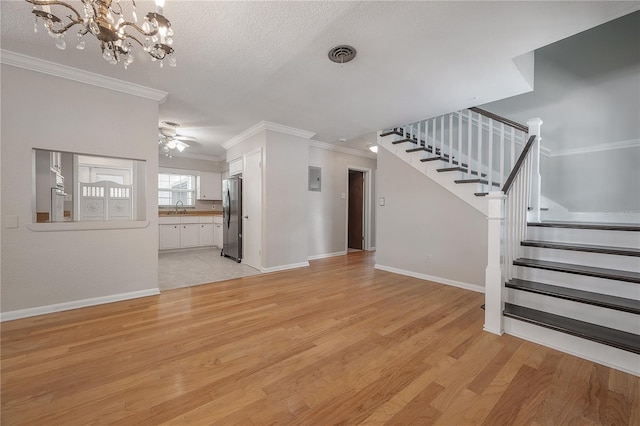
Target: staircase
[571, 286]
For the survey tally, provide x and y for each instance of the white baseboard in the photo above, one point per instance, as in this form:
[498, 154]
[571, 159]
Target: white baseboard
[66, 306]
[325, 255]
[284, 267]
[446, 281]
[582, 348]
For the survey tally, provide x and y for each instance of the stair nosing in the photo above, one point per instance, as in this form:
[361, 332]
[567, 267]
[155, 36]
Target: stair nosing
[552, 322]
[587, 225]
[580, 296]
[589, 248]
[476, 180]
[430, 159]
[589, 271]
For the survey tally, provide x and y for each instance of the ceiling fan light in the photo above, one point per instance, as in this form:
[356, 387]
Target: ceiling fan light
[171, 144]
[373, 148]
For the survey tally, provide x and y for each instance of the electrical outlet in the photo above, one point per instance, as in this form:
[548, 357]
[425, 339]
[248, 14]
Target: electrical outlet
[427, 259]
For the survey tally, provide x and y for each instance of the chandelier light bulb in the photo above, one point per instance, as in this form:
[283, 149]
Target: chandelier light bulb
[60, 43]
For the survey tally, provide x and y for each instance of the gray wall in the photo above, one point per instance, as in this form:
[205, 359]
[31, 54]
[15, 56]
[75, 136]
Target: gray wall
[45, 268]
[327, 210]
[420, 219]
[587, 92]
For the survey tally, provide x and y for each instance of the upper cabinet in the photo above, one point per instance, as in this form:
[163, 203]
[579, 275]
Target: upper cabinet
[209, 186]
[235, 167]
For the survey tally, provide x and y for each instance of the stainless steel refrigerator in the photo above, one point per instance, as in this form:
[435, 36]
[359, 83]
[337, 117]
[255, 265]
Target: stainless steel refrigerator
[232, 218]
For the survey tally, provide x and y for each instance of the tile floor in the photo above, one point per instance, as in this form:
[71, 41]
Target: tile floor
[198, 266]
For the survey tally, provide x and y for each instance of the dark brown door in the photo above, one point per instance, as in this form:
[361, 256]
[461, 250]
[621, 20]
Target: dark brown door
[356, 198]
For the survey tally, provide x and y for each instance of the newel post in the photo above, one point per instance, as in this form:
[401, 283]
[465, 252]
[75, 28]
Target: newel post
[535, 125]
[493, 285]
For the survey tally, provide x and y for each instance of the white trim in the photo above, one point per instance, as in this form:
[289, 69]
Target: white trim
[284, 267]
[76, 304]
[51, 68]
[266, 125]
[439, 280]
[631, 143]
[87, 226]
[586, 349]
[326, 255]
[368, 225]
[343, 149]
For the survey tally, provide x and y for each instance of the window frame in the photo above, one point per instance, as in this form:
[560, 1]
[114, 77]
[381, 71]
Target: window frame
[178, 191]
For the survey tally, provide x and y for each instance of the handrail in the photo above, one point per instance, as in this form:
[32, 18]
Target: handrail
[501, 119]
[518, 165]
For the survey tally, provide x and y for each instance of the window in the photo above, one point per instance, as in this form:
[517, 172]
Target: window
[173, 187]
[74, 187]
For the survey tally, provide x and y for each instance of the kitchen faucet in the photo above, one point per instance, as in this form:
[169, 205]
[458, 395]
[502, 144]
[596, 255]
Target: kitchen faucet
[182, 204]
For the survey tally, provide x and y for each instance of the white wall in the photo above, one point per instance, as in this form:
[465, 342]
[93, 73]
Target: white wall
[420, 219]
[47, 268]
[587, 92]
[327, 210]
[285, 232]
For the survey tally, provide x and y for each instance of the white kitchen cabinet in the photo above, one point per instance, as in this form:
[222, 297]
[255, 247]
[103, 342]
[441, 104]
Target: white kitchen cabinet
[235, 166]
[217, 231]
[169, 236]
[206, 231]
[209, 186]
[189, 235]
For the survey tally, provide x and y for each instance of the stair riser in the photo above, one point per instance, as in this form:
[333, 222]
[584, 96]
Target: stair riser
[623, 321]
[600, 260]
[579, 282]
[585, 236]
[602, 354]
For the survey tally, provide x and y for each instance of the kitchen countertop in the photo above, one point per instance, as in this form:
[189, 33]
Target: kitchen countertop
[172, 213]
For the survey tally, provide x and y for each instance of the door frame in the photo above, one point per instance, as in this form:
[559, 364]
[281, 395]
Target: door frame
[366, 220]
[261, 206]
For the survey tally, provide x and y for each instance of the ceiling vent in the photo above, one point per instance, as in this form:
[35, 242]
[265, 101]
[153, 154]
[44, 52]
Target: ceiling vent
[342, 54]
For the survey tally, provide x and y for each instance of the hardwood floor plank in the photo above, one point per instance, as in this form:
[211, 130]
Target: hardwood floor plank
[338, 342]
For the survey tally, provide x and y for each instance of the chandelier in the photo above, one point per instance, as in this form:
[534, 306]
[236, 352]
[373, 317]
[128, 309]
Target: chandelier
[169, 139]
[105, 19]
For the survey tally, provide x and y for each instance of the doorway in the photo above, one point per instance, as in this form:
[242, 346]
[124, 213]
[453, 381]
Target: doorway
[355, 214]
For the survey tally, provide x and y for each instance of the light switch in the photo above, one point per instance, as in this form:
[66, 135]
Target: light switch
[382, 201]
[11, 221]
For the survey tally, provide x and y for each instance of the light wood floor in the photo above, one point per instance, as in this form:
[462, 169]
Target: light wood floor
[335, 343]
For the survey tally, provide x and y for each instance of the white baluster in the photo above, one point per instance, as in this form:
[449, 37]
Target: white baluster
[459, 138]
[434, 125]
[513, 149]
[442, 135]
[535, 125]
[501, 177]
[479, 146]
[469, 137]
[490, 172]
[450, 137]
[426, 133]
[418, 133]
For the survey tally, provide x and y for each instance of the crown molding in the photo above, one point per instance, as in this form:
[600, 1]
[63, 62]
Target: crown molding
[632, 143]
[30, 63]
[263, 126]
[343, 149]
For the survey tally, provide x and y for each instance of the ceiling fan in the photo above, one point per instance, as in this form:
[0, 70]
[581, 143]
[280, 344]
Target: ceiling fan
[169, 139]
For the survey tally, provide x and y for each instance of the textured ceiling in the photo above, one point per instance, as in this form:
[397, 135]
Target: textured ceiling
[243, 62]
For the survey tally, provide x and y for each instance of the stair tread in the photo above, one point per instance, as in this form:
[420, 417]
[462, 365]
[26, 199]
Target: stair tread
[587, 225]
[596, 333]
[452, 169]
[481, 194]
[476, 180]
[430, 159]
[391, 132]
[590, 271]
[588, 297]
[623, 251]
[422, 148]
[404, 140]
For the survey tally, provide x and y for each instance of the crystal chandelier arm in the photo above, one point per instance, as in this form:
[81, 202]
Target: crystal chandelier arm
[137, 28]
[78, 19]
